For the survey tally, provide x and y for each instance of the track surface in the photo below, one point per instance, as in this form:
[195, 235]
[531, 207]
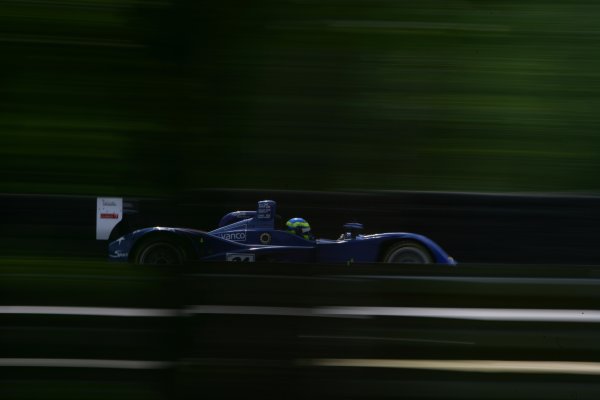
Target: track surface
[82, 329]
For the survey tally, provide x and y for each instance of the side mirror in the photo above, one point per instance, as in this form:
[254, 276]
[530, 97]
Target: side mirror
[352, 229]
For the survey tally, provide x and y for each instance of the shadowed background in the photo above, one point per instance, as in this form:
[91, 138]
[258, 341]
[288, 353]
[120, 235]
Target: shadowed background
[163, 97]
[299, 100]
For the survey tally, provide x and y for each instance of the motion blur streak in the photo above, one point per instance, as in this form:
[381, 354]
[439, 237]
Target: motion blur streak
[518, 367]
[91, 311]
[82, 363]
[388, 339]
[163, 97]
[489, 314]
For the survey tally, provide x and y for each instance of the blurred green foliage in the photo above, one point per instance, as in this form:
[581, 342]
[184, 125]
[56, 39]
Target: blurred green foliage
[151, 97]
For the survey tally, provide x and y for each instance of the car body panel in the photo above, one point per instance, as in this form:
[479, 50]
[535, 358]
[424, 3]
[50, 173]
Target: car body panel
[252, 236]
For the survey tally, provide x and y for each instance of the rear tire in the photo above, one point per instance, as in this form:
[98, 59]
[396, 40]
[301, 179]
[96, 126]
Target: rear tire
[408, 252]
[160, 251]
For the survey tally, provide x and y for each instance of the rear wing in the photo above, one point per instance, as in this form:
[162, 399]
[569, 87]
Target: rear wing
[109, 212]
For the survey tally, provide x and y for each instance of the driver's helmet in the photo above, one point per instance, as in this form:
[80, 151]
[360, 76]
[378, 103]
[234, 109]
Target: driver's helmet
[300, 227]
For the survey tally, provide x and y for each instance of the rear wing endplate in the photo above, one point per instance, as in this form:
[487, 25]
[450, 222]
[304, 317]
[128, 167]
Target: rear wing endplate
[109, 212]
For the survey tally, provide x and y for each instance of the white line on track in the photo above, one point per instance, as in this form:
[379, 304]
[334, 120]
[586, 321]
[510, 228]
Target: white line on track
[481, 314]
[489, 366]
[90, 311]
[83, 363]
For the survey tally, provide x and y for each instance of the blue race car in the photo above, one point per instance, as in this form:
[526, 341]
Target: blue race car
[251, 236]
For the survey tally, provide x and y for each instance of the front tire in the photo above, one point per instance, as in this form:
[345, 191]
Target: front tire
[408, 252]
[160, 251]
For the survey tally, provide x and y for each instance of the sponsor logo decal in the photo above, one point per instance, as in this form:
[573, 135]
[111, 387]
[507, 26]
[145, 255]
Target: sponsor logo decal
[235, 236]
[240, 257]
[265, 238]
[109, 216]
[119, 254]
[264, 211]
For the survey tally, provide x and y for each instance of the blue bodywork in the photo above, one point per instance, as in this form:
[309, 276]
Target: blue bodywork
[252, 236]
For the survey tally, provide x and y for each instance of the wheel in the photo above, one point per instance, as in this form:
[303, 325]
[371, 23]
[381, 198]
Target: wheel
[160, 251]
[408, 253]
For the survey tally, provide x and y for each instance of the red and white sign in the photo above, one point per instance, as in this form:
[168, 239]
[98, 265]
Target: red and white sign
[109, 216]
[109, 212]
